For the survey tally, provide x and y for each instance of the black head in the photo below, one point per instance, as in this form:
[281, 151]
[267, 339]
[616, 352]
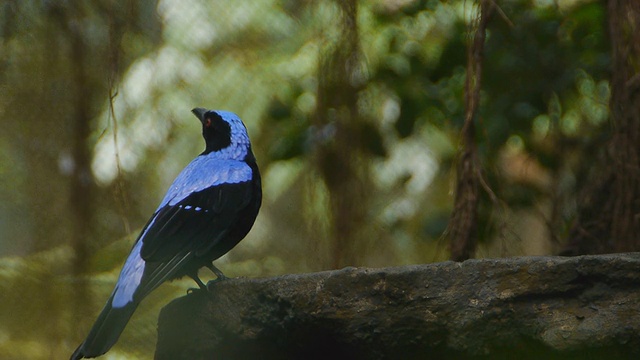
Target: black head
[215, 130]
[225, 134]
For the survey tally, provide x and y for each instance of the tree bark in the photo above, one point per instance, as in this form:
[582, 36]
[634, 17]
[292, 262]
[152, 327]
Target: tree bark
[610, 204]
[463, 226]
[531, 307]
[624, 28]
[338, 156]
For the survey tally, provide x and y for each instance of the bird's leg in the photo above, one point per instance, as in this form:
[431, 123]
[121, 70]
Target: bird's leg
[216, 271]
[201, 285]
[220, 276]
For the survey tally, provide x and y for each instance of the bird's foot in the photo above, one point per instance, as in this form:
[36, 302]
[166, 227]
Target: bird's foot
[215, 281]
[201, 285]
[217, 272]
[219, 276]
[201, 291]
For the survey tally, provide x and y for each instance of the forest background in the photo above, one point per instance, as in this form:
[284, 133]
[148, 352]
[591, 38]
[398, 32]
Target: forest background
[355, 110]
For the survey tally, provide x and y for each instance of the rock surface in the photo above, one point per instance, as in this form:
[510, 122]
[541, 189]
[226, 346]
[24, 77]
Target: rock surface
[525, 307]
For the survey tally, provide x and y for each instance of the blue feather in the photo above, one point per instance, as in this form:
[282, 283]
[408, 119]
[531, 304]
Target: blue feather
[129, 279]
[177, 227]
[204, 172]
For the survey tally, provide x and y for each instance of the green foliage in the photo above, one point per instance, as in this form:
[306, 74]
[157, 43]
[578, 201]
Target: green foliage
[542, 121]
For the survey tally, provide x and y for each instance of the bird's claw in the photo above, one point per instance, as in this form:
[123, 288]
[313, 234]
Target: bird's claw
[201, 291]
[192, 290]
[215, 281]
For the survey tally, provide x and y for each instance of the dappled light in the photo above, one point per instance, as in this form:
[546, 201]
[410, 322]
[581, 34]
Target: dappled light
[354, 109]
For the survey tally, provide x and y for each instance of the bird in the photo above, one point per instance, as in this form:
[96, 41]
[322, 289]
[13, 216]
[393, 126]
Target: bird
[210, 206]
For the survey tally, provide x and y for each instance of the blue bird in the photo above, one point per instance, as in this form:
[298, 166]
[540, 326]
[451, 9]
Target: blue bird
[208, 209]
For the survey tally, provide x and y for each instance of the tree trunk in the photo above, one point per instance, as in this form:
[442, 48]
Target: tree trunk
[624, 27]
[463, 226]
[610, 207]
[339, 158]
[528, 307]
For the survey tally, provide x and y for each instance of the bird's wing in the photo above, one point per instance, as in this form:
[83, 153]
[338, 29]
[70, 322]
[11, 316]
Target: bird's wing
[189, 228]
[196, 223]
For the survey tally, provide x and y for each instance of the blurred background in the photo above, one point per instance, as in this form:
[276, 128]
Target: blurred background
[354, 109]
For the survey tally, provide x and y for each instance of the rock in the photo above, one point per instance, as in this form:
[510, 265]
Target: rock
[525, 307]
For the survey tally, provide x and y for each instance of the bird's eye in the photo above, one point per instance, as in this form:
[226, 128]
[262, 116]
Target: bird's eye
[208, 123]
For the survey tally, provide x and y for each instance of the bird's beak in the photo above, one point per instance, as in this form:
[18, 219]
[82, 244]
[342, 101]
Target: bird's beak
[199, 113]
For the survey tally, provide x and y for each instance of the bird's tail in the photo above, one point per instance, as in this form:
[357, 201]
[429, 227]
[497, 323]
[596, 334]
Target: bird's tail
[106, 330]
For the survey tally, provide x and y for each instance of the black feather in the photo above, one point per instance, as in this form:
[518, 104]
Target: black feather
[106, 330]
[184, 236]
